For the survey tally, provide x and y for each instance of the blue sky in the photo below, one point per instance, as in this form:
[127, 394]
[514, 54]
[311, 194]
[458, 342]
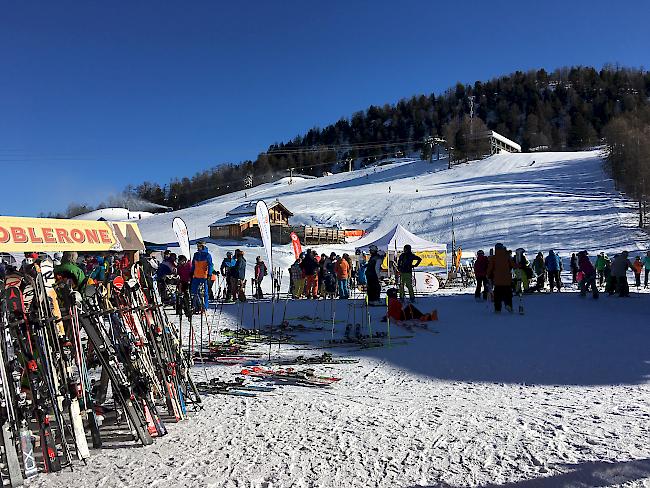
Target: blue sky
[95, 95]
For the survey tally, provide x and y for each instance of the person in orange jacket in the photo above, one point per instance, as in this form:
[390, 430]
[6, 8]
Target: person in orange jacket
[637, 267]
[500, 273]
[342, 270]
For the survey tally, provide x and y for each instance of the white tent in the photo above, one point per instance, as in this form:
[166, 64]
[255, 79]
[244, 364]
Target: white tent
[398, 237]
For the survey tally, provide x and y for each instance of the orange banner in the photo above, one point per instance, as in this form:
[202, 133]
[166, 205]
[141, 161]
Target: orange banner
[18, 234]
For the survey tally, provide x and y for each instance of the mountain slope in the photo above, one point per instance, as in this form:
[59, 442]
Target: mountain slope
[538, 200]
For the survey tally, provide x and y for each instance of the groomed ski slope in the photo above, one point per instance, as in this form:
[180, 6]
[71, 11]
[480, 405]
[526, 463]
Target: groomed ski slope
[540, 201]
[563, 201]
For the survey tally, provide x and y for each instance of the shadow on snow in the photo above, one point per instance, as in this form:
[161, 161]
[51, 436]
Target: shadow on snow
[561, 340]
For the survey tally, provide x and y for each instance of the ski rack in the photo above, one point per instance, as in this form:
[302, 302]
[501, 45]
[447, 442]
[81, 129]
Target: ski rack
[53, 335]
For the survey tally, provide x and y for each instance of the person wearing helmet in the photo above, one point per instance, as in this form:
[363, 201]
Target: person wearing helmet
[373, 272]
[480, 271]
[201, 270]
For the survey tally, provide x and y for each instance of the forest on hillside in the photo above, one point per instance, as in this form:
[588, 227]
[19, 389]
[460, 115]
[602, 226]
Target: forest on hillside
[567, 109]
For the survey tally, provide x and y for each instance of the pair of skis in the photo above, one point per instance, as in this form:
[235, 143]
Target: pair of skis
[305, 377]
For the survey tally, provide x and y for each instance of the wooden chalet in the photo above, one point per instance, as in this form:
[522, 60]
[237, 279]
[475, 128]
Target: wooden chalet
[241, 222]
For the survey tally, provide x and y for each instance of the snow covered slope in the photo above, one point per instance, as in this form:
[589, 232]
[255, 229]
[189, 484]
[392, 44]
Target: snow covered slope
[115, 214]
[539, 201]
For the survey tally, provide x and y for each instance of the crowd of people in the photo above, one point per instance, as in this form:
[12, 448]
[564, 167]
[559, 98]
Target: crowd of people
[190, 283]
[504, 273]
[314, 276]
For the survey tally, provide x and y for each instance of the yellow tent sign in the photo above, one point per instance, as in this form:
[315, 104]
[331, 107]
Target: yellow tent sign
[436, 259]
[19, 234]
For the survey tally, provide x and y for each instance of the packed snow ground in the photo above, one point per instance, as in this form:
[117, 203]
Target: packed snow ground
[550, 399]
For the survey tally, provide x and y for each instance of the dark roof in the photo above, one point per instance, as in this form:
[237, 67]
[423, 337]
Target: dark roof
[232, 220]
[249, 208]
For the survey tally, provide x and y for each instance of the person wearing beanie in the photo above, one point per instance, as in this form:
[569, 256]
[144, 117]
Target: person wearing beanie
[69, 271]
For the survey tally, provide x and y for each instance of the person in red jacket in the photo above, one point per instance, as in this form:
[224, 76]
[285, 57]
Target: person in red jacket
[399, 313]
[588, 275]
[480, 271]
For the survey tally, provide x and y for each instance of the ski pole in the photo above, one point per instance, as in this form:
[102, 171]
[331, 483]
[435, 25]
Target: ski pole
[387, 322]
[368, 318]
[333, 316]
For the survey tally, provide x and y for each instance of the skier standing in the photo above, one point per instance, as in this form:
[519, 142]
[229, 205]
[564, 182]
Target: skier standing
[373, 271]
[297, 278]
[351, 272]
[601, 263]
[324, 269]
[500, 273]
[589, 275]
[552, 263]
[184, 270]
[201, 272]
[480, 271]
[574, 268]
[260, 273]
[226, 268]
[646, 265]
[239, 271]
[637, 266]
[620, 265]
[522, 271]
[310, 269]
[361, 272]
[540, 271]
[342, 270]
[405, 264]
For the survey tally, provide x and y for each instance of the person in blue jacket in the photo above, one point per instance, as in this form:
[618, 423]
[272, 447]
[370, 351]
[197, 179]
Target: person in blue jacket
[553, 267]
[239, 272]
[227, 265]
[201, 272]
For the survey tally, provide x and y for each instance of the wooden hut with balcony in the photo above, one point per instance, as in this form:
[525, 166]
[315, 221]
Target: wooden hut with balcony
[241, 222]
